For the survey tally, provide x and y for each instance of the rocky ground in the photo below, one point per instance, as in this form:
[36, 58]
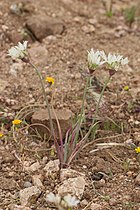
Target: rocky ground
[59, 33]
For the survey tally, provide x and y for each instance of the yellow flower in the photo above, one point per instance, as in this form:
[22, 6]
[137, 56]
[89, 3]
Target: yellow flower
[1, 135]
[126, 88]
[137, 150]
[16, 122]
[50, 80]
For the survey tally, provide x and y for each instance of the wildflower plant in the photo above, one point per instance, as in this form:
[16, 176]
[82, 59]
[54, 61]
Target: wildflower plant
[20, 52]
[111, 62]
[63, 203]
[69, 147]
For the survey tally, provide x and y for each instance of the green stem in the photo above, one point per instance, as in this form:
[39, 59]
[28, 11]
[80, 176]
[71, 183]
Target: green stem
[45, 96]
[99, 101]
[82, 111]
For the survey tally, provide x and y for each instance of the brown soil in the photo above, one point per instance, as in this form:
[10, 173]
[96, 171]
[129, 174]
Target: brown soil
[86, 26]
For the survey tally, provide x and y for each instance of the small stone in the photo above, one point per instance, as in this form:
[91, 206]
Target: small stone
[16, 9]
[28, 196]
[42, 26]
[95, 206]
[92, 21]
[137, 180]
[27, 184]
[52, 167]
[36, 179]
[78, 19]
[129, 173]
[32, 168]
[88, 29]
[100, 183]
[44, 160]
[4, 28]
[74, 186]
[77, 75]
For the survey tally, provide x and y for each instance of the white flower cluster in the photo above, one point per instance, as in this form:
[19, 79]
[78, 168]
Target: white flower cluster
[62, 203]
[97, 58]
[19, 51]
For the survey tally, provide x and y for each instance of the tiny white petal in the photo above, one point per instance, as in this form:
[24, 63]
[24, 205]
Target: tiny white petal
[51, 197]
[25, 44]
[71, 201]
[124, 61]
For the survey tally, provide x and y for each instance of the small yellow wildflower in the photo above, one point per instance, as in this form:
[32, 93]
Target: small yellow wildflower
[16, 122]
[1, 135]
[137, 150]
[50, 80]
[126, 88]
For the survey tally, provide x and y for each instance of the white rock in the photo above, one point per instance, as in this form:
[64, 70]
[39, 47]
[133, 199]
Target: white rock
[51, 167]
[74, 186]
[88, 29]
[95, 206]
[32, 168]
[29, 195]
[36, 179]
[78, 75]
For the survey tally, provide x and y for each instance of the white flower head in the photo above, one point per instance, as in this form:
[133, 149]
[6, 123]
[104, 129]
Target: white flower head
[94, 58]
[70, 201]
[51, 197]
[19, 51]
[124, 61]
[114, 61]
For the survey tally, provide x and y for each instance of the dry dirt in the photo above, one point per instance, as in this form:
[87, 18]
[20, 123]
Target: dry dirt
[62, 53]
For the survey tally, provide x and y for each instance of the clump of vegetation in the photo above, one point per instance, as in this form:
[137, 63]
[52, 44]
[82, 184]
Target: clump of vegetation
[68, 148]
[129, 15]
[108, 7]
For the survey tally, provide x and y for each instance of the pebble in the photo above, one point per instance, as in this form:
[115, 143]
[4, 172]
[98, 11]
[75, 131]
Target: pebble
[36, 179]
[32, 168]
[28, 196]
[27, 184]
[88, 29]
[78, 76]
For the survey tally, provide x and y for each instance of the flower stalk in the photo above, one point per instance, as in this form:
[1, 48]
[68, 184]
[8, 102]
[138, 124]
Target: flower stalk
[45, 96]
